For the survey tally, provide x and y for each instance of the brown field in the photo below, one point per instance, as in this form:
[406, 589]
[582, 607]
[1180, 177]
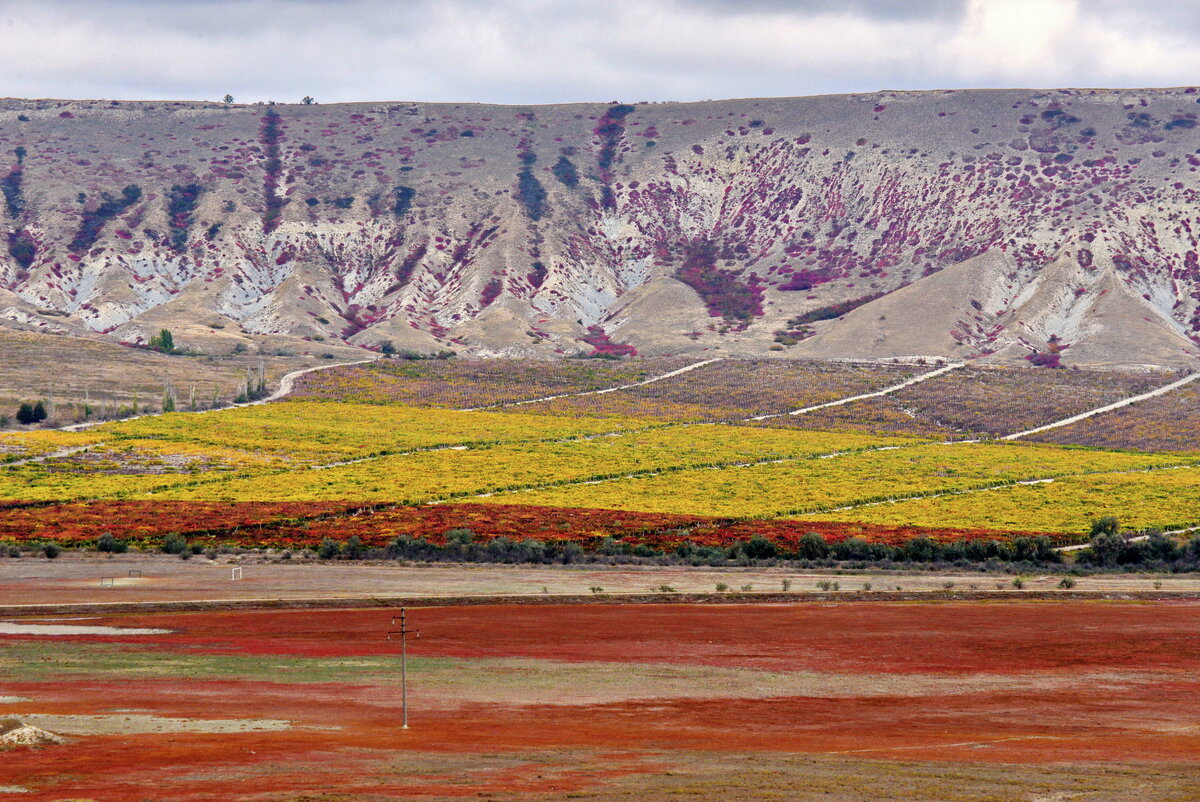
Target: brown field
[1012, 700]
[71, 369]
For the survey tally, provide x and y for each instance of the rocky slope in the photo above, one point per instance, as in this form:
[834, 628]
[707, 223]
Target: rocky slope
[997, 225]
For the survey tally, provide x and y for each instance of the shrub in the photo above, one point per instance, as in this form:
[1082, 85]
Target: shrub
[759, 548]
[181, 203]
[723, 292]
[11, 187]
[403, 200]
[921, 549]
[328, 549]
[163, 341]
[107, 543]
[22, 248]
[532, 194]
[1105, 549]
[352, 549]
[50, 550]
[93, 221]
[491, 292]
[1066, 583]
[460, 537]
[174, 543]
[566, 172]
[812, 547]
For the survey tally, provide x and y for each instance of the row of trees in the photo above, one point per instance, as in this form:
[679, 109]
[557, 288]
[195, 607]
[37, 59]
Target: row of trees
[29, 414]
[1109, 550]
[307, 100]
[461, 546]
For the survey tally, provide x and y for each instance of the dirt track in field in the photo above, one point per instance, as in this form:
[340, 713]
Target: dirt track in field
[539, 702]
[89, 579]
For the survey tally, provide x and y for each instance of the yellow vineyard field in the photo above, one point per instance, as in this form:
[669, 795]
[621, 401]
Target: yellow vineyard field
[446, 473]
[1163, 498]
[800, 488]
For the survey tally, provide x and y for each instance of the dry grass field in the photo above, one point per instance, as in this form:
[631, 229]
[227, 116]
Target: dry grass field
[71, 370]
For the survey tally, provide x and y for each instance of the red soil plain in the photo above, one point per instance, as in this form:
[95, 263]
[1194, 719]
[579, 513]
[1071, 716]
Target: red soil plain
[1101, 699]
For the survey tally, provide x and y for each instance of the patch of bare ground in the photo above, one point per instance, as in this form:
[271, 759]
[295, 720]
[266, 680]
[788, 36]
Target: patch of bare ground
[142, 724]
[92, 578]
[799, 778]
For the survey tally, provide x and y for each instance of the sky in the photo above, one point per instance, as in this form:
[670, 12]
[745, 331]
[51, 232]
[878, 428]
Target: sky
[555, 51]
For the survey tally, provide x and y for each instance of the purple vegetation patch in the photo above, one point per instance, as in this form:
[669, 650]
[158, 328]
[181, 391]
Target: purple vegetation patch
[724, 293]
[598, 338]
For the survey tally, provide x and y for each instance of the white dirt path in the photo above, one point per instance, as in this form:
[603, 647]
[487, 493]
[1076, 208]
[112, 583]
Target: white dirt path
[877, 394]
[672, 374]
[1124, 402]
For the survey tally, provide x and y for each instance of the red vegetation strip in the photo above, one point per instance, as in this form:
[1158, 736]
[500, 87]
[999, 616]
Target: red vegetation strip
[302, 524]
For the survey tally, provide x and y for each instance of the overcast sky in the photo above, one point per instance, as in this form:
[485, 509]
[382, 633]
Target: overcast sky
[549, 51]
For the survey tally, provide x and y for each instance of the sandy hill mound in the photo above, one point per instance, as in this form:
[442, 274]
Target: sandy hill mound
[14, 733]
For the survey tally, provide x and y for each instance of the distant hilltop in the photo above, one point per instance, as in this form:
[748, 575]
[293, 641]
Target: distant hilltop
[1046, 228]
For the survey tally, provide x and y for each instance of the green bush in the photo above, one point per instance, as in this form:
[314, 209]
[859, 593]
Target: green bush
[759, 548]
[812, 547]
[328, 549]
[460, 537]
[107, 543]
[174, 543]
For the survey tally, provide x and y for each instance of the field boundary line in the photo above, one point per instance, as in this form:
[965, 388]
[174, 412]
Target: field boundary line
[862, 397]
[1124, 402]
[669, 375]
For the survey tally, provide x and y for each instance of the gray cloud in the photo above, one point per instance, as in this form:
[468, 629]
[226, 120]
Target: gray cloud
[542, 51]
[886, 9]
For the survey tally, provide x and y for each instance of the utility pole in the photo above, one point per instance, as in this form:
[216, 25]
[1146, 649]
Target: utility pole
[403, 633]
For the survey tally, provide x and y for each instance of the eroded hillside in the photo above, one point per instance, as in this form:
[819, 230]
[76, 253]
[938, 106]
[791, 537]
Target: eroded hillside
[1047, 224]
